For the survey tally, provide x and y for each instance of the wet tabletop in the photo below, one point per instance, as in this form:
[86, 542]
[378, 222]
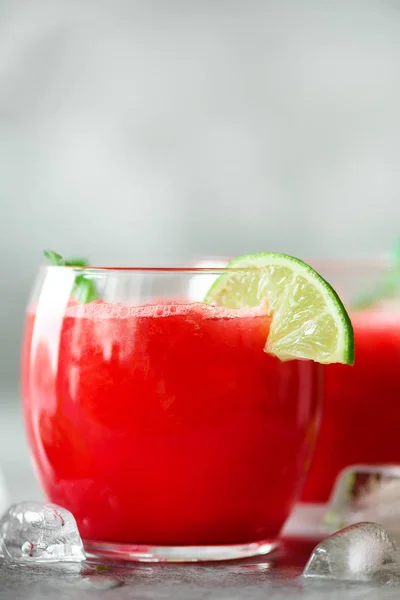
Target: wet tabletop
[258, 579]
[274, 577]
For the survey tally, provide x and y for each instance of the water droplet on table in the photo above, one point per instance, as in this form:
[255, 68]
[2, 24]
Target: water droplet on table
[101, 582]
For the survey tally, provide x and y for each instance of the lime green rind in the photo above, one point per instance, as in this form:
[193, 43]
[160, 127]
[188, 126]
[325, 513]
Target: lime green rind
[247, 285]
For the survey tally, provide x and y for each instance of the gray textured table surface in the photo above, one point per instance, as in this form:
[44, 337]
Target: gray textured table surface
[274, 577]
[259, 579]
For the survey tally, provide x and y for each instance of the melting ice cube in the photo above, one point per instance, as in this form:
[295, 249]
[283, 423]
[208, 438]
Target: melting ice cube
[35, 532]
[361, 552]
[366, 493]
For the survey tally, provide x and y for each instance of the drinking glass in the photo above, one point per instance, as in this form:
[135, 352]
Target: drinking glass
[159, 421]
[361, 413]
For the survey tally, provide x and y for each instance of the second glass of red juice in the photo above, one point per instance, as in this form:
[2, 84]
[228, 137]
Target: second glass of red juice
[159, 421]
[361, 405]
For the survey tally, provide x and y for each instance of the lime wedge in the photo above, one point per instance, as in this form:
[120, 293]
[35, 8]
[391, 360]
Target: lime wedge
[308, 319]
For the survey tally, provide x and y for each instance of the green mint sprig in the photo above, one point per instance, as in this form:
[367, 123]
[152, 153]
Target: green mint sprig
[388, 286]
[84, 289]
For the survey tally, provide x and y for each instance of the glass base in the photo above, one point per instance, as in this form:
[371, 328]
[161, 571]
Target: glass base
[141, 553]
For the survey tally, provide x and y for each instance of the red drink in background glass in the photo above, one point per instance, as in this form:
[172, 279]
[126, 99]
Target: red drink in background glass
[166, 424]
[361, 413]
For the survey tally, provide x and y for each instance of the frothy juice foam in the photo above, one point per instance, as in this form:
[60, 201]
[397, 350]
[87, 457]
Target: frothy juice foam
[167, 424]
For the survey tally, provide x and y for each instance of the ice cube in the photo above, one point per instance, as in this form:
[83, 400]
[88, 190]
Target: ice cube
[360, 552]
[366, 493]
[35, 532]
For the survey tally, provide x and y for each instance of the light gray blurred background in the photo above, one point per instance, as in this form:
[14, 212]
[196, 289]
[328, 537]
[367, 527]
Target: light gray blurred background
[154, 131]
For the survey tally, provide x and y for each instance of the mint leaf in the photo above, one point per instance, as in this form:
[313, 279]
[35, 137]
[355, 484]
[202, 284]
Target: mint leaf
[396, 251]
[386, 287]
[55, 259]
[84, 289]
[77, 262]
[365, 300]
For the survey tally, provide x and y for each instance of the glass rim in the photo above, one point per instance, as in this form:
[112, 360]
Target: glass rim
[336, 264]
[183, 270]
